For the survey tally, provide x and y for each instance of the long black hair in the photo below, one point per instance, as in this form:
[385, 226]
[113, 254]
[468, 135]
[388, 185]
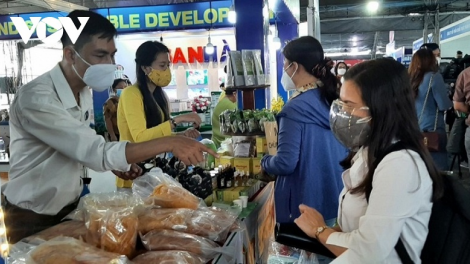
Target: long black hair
[308, 52]
[156, 102]
[386, 89]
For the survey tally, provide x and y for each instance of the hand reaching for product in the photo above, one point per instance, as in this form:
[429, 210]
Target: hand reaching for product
[191, 133]
[189, 118]
[189, 151]
[134, 172]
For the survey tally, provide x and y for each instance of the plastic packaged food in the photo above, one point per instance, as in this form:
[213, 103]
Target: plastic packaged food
[248, 67]
[160, 218]
[69, 250]
[145, 184]
[161, 240]
[74, 229]
[212, 223]
[112, 222]
[161, 190]
[168, 257]
[168, 196]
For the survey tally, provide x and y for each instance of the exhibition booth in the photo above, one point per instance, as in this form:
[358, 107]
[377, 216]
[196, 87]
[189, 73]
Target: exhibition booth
[188, 30]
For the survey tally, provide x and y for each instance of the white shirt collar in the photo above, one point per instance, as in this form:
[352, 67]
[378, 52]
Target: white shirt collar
[62, 87]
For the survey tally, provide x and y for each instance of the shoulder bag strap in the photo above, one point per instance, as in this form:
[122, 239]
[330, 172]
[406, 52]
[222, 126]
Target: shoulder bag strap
[426, 99]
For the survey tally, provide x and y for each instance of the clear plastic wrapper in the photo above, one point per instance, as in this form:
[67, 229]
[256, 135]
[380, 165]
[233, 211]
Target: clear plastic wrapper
[169, 257]
[235, 58]
[74, 229]
[112, 222]
[160, 218]
[248, 67]
[62, 250]
[212, 223]
[144, 185]
[279, 253]
[159, 189]
[259, 73]
[161, 240]
[169, 196]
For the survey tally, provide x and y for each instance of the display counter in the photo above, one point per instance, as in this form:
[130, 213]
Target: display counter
[119, 209]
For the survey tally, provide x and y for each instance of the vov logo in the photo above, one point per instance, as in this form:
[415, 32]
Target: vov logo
[40, 26]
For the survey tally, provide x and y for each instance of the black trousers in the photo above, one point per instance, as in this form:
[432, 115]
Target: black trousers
[22, 223]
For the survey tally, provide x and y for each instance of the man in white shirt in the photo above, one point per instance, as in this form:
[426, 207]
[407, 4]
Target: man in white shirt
[51, 140]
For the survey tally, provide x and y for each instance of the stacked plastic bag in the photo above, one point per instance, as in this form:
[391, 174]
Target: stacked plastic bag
[173, 225]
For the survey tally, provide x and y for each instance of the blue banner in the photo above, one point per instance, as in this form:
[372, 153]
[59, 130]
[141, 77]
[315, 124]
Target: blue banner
[169, 17]
[8, 29]
[200, 15]
[456, 30]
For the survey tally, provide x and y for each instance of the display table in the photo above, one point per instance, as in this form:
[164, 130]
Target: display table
[4, 163]
[240, 241]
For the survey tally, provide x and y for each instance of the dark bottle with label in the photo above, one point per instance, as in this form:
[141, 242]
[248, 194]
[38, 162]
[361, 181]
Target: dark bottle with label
[220, 180]
[229, 178]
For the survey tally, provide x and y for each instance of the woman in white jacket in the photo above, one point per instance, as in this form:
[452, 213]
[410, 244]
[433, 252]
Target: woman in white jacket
[386, 202]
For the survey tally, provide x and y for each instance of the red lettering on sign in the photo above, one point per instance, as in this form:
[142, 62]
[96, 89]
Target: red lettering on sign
[194, 55]
[179, 56]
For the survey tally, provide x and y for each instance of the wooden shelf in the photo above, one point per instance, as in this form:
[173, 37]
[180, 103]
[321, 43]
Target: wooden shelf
[252, 87]
[247, 134]
[248, 94]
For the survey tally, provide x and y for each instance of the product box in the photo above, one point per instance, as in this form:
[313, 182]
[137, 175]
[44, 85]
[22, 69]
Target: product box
[243, 164]
[261, 145]
[250, 191]
[227, 195]
[227, 160]
[256, 166]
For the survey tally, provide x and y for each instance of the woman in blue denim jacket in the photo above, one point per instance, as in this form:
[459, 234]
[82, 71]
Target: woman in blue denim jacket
[431, 100]
[308, 155]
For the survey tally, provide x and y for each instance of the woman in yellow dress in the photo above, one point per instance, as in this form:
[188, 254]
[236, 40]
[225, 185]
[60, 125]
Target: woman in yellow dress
[143, 110]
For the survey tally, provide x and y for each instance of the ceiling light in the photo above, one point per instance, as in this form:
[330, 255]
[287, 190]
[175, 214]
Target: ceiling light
[209, 47]
[354, 50]
[354, 39]
[354, 43]
[232, 15]
[373, 6]
[414, 14]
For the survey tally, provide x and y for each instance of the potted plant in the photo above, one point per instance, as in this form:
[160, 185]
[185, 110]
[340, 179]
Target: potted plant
[201, 105]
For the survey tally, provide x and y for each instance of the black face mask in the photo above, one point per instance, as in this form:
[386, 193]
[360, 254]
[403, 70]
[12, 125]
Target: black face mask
[349, 129]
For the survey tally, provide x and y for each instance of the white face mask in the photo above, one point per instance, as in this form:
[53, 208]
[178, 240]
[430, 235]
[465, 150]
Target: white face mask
[438, 60]
[98, 76]
[286, 80]
[341, 71]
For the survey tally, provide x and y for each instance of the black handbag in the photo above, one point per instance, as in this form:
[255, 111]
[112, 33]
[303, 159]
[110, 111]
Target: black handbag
[289, 234]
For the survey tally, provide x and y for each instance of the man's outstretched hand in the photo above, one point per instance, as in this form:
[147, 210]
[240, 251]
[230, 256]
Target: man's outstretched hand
[188, 150]
[134, 172]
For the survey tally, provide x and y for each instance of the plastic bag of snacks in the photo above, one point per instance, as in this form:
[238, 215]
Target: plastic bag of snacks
[169, 257]
[145, 184]
[62, 250]
[161, 190]
[112, 222]
[163, 218]
[161, 240]
[74, 229]
[212, 222]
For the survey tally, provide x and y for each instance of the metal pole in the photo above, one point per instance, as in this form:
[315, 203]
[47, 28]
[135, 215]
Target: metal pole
[426, 25]
[437, 28]
[374, 48]
[313, 19]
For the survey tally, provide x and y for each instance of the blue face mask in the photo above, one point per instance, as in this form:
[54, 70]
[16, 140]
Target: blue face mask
[118, 92]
